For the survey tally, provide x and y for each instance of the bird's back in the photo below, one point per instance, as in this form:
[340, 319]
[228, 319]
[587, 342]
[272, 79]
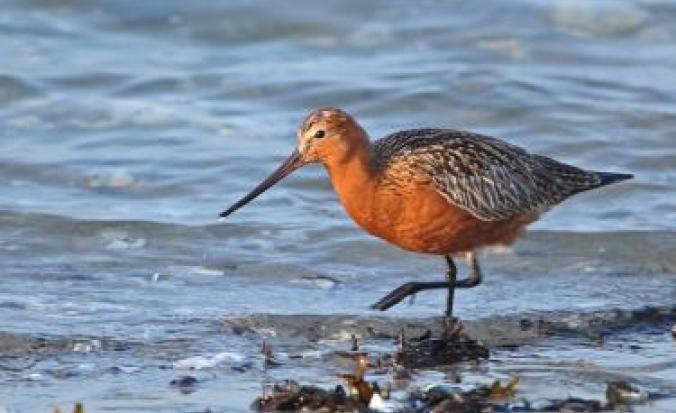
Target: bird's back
[489, 178]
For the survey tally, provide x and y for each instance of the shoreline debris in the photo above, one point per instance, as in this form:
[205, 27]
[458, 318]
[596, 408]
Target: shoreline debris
[78, 408]
[427, 351]
[185, 384]
[453, 346]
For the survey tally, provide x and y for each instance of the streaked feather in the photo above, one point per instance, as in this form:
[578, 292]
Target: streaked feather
[491, 179]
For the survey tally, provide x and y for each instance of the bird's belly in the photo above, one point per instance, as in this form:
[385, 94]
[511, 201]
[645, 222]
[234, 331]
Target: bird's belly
[421, 220]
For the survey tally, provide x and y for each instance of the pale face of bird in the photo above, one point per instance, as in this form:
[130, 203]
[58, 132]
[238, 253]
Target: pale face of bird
[327, 135]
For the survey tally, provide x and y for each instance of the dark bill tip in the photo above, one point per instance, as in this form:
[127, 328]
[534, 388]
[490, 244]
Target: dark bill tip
[291, 163]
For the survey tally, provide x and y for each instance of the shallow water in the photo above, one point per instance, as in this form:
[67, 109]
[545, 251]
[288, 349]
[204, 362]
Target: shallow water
[128, 126]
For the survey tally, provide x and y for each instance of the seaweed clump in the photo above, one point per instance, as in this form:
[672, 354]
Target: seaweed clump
[78, 408]
[453, 346]
[289, 396]
[499, 398]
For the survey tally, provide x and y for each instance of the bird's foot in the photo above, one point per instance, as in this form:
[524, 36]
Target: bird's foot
[451, 328]
[405, 290]
[396, 296]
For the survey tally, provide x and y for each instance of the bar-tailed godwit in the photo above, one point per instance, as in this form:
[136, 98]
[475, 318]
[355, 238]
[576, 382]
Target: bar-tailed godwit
[436, 191]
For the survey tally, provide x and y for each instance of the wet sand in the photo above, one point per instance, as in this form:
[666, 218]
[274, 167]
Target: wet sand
[555, 355]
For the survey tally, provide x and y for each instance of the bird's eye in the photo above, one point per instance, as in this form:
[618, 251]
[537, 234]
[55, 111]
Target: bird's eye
[319, 134]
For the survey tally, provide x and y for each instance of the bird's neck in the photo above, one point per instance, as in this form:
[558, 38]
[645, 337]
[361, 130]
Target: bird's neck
[354, 179]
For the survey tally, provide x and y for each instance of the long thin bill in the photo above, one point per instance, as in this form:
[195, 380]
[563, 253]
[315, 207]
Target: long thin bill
[291, 163]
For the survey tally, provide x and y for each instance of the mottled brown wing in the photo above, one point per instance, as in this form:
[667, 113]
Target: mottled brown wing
[487, 177]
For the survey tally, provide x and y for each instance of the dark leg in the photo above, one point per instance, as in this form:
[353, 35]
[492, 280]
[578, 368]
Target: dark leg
[411, 288]
[474, 278]
[452, 275]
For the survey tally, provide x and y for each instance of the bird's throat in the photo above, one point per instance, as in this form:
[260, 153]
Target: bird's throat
[354, 180]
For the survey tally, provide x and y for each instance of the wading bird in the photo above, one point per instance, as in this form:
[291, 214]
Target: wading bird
[436, 191]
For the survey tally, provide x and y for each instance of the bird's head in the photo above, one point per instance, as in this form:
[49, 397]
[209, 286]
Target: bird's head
[327, 136]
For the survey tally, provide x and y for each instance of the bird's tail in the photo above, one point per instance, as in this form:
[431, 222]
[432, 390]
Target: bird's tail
[607, 178]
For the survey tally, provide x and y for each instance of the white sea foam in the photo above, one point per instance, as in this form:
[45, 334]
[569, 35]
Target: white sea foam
[598, 18]
[121, 240]
[117, 179]
[86, 347]
[204, 362]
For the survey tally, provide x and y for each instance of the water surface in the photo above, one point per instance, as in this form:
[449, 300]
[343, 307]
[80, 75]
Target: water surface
[127, 126]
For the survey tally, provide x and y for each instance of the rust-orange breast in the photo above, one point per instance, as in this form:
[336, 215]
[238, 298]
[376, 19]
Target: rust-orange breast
[414, 216]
